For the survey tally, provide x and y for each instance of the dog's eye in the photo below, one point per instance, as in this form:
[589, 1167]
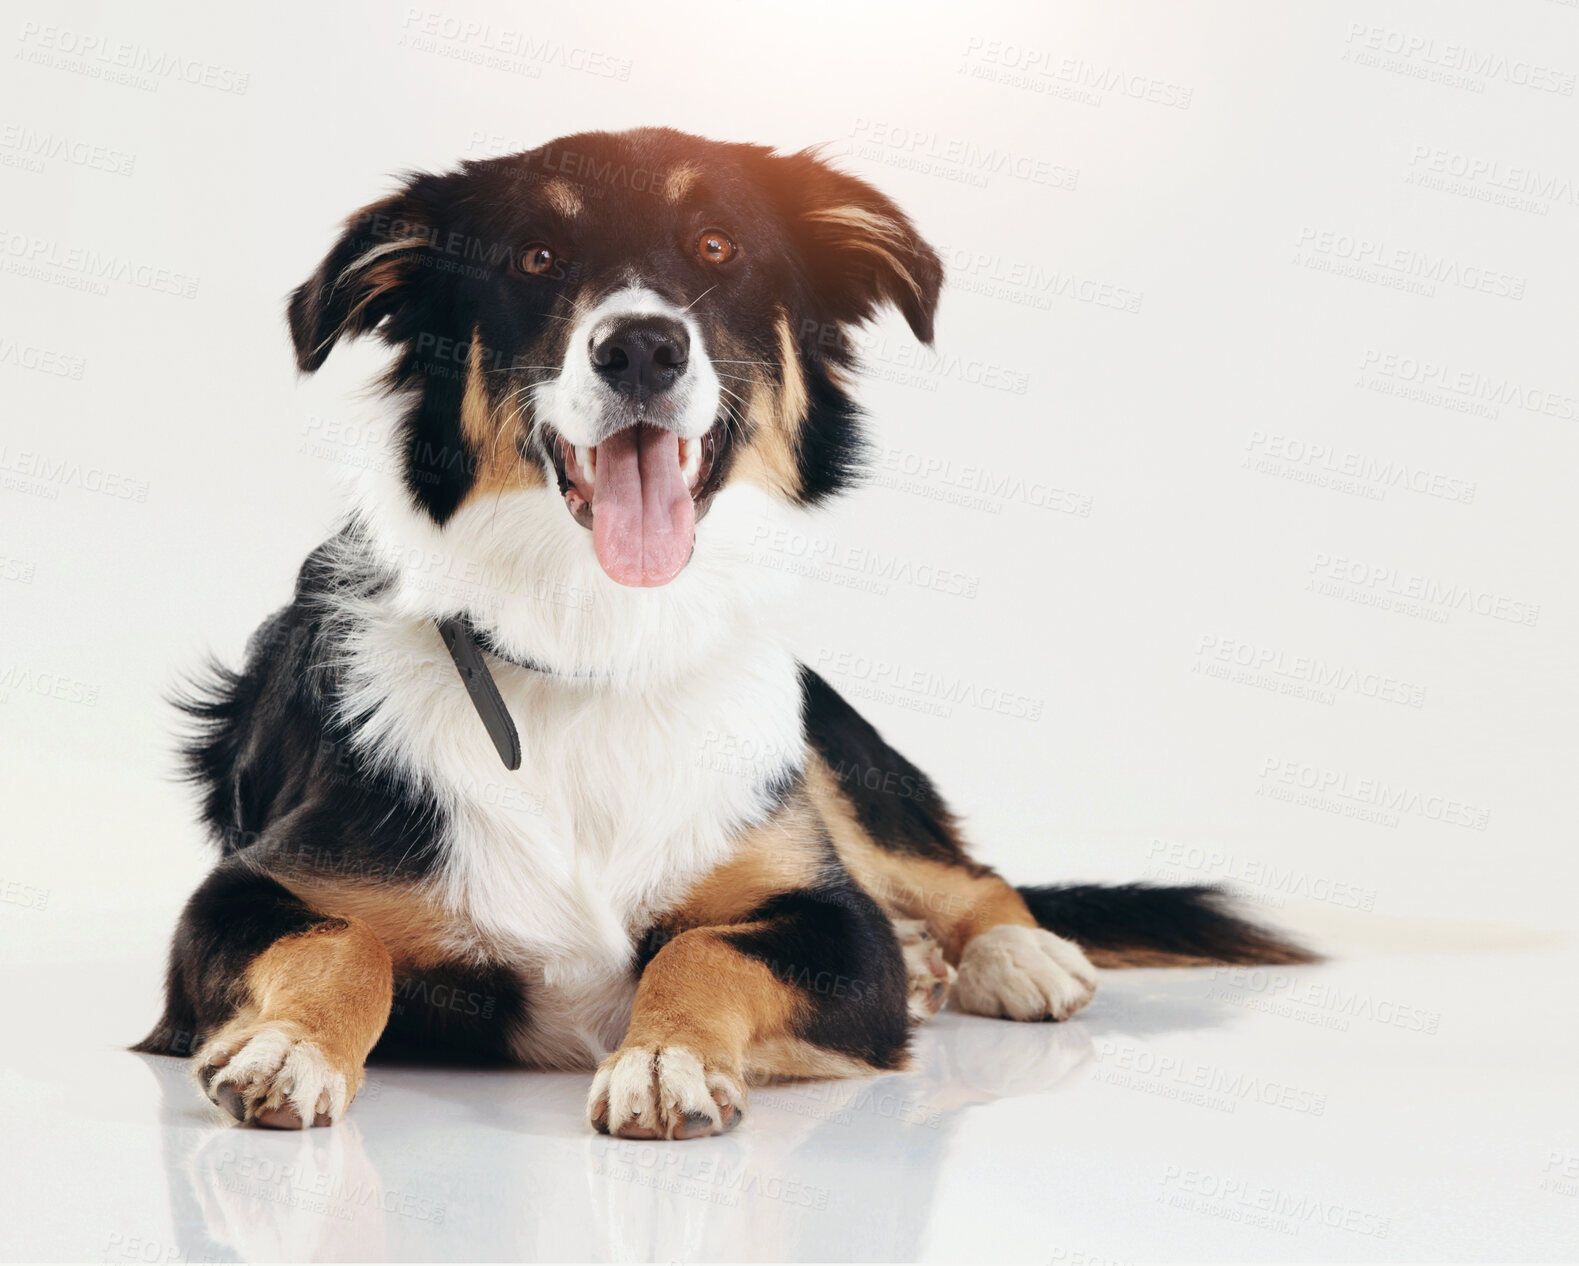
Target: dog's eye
[537, 259]
[715, 246]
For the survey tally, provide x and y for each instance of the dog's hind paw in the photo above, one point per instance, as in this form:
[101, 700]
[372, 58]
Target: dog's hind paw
[663, 1092]
[272, 1075]
[1024, 974]
[930, 975]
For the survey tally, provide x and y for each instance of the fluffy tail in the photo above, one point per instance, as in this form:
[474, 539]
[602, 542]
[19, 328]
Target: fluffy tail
[1141, 925]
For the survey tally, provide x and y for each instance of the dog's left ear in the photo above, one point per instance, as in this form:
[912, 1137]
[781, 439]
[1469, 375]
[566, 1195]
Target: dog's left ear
[366, 276]
[861, 249]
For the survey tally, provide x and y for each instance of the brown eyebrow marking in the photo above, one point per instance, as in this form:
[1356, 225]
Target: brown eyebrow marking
[679, 181]
[563, 198]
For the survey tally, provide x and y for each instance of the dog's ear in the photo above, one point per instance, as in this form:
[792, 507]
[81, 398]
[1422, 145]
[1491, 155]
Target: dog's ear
[364, 278]
[861, 249]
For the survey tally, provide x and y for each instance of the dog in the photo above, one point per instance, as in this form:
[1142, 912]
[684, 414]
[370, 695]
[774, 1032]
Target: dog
[525, 772]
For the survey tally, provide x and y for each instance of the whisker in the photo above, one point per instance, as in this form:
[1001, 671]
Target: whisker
[701, 296]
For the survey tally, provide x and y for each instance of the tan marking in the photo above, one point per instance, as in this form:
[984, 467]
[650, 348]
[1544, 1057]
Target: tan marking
[791, 1059]
[331, 985]
[411, 922]
[476, 423]
[373, 280]
[490, 428]
[781, 854]
[701, 993]
[873, 234]
[679, 181]
[955, 901]
[1267, 950]
[776, 411]
[563, 197]
[792, 401]
[1146, 958]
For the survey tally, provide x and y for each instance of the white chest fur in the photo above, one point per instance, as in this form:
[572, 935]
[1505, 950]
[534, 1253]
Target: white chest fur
[635, 780]
[625, 797]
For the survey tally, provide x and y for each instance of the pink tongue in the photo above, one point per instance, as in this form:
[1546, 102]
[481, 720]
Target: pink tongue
[643, 522]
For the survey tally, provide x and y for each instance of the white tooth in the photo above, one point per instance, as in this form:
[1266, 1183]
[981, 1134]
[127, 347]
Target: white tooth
[587, 459]
[690, 458]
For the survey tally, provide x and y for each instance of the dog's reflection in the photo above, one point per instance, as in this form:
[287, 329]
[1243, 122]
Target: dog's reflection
[439, 1162]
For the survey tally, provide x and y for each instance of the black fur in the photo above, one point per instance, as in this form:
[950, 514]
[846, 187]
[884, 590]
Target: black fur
[836, 946]
[282, 781]
[894, 800]
[235, 914]
[444, 277]
[461, 1012]
[434, 270]
[833, 452]
[1188, 922]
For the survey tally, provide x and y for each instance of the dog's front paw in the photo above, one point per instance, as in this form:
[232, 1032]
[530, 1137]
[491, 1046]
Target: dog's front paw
[271, 1074]
[1024, 974]
[664, 1092]
[930, 975]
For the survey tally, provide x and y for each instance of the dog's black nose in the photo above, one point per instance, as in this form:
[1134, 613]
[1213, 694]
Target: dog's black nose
[642, 354]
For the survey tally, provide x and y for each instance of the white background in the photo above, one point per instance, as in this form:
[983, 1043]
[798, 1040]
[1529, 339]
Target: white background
[1345, 226]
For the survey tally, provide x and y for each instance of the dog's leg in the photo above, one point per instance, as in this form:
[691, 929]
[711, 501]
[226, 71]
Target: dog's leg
[814, 985]
[283, 1004]
[1007, 965]
[931, 974]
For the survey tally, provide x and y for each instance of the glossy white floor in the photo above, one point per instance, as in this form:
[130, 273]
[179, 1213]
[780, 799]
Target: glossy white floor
[1412, 1101]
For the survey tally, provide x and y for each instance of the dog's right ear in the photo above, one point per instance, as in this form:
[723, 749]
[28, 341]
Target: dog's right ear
[365, 277]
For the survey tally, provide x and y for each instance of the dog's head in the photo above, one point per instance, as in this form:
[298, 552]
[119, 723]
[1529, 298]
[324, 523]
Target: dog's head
[630, 322]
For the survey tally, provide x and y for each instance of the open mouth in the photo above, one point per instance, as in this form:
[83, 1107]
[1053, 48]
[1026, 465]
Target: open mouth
[641, 492]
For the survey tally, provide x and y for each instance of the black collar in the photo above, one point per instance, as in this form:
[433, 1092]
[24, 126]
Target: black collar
[466, 646]
[466, 643]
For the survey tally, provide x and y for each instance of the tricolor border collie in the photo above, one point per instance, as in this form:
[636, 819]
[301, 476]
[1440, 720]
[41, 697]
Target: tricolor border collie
[461, 788]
